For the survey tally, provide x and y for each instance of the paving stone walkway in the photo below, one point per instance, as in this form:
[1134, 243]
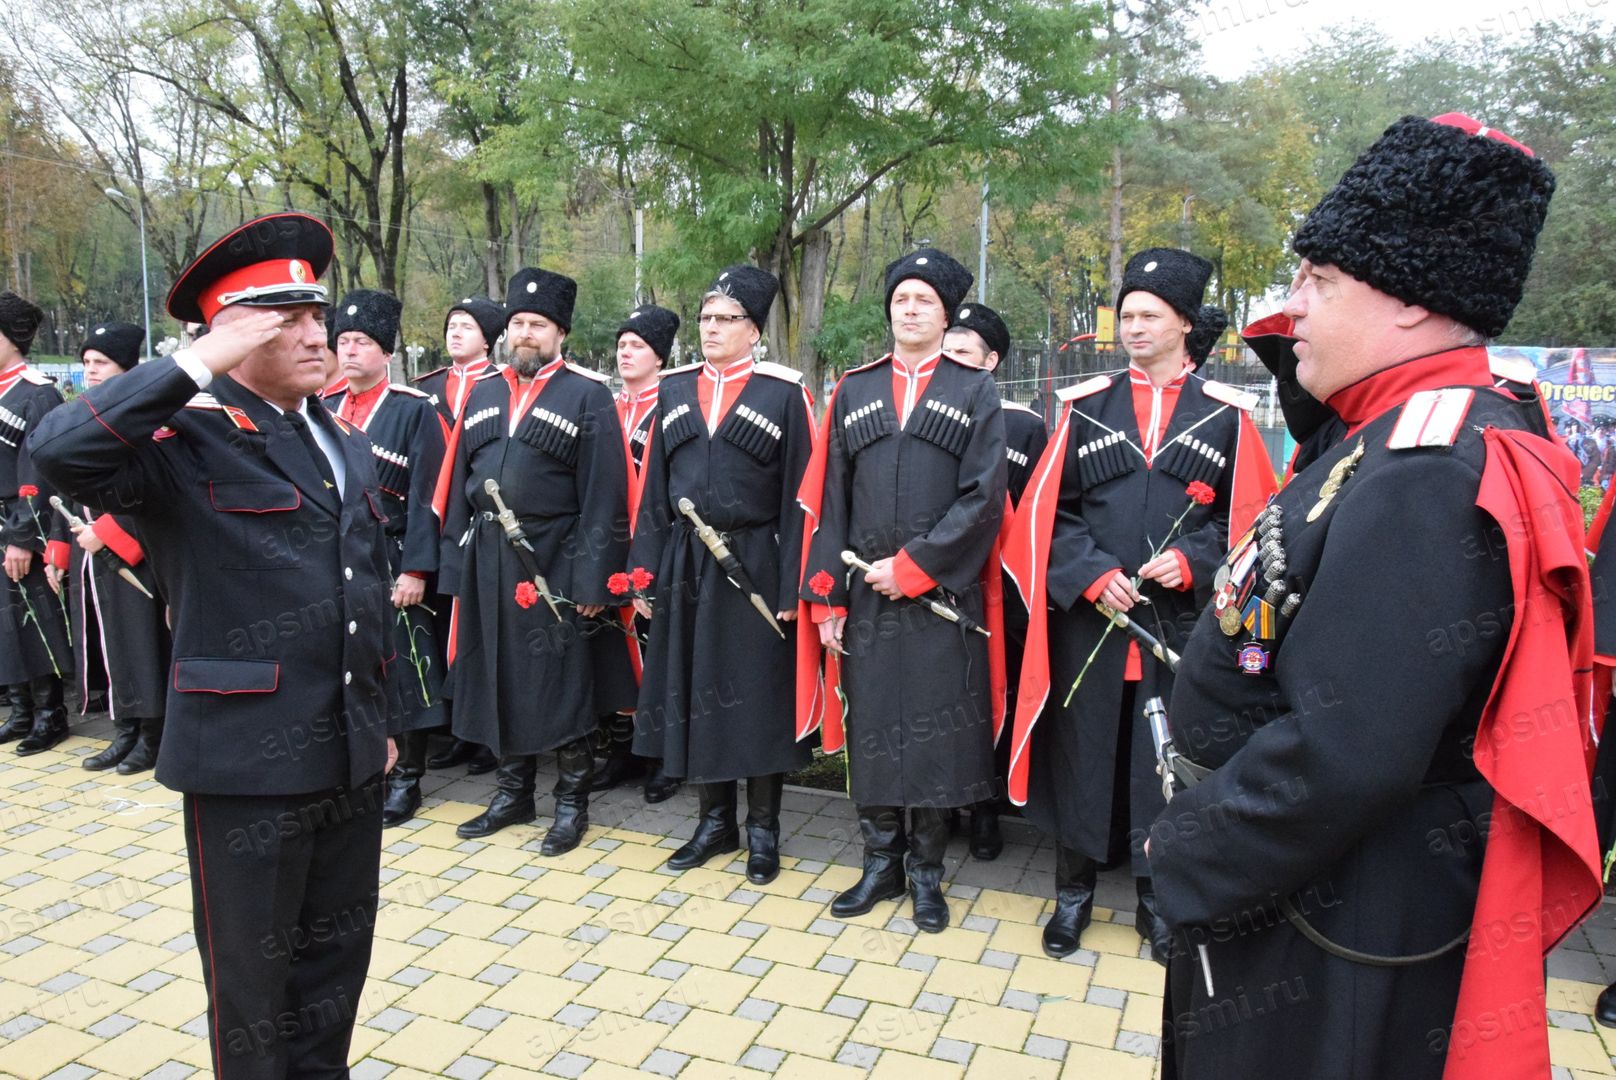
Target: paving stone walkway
[492, 962]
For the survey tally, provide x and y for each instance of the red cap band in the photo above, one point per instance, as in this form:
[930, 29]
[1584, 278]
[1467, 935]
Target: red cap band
[258, 280]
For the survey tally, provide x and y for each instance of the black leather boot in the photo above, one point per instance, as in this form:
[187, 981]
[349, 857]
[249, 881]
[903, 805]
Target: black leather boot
[483, 760]
[1605, 1007]
[1151, 926]
[1075, 875]
[659, 786]
[986, 841]
[928, 840]
[144, 755]
[512, 803]
[403, 796]
[124, 736]
[459, 752]
[575, 764]
[715, 833]
[21, 721]
[763, 827]
[884, 845]
[50, 718]
[620, 764]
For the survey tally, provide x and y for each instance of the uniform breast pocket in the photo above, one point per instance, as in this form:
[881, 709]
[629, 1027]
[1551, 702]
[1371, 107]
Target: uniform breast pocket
[260, 527]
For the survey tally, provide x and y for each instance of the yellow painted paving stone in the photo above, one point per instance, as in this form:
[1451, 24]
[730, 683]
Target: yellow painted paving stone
[511, 1072]
[17, 998]
[878, 982]
[541, 953]
[184, 965]
[955, 943]
[988, 1025]
[786, 912]
[576, 861]
[43, 1051]
[41, 964]
[1114, 938]
[605, 1070]
[440, 834]
[790, 947]
[872, 944]
[1579, 1050]
[446, 997]
[452, 812]
[414, 890]
[710, 949]
[711, 1034]
[474, 920]
[1130, 973]
[710, 989]
[889, 1027]
[1566, 995]
[412, 1074]
[43, 893]
[173, 1004]
[534, 995]
[627, 952]
[634, 884]
[85, 1005]
[110, 839]
[485, 887]
[631, 916]
[177, 895]
[702, 1069]
[400, 922]
[994, 904]
[877, 917]
[428, 860]
[128, 961]
[462, 956]
[837, 878]
[705, 881]
[1077, 1022]
[497, 860]
[427, 1043]
[991, 1063]
[636, 857]
[137, 1051]
[972, 982]
[790, 883]
[560, 885]
[623, 992]
[388, 957]
[378, 997]
[34, 843]
[156, 927]
[895, 1065]
[1142, 1013]
[630, 836]
[523, 1042]
[1088, 1062]
[705, 913]
[802, 987]
[122, 891]
[71, 930]
[553, 917]
[799, 1067]
[622, 1040]
[1041, 975]
[799, 1031]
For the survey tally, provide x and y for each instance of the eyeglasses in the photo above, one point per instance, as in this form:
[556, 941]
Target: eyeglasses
[715, 319]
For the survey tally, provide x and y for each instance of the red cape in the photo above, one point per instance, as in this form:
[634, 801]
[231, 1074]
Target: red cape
[1541, 875]
[1026, 560]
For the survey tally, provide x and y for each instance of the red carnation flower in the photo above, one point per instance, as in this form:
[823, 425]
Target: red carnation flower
[617, 584]
[527, 594]
[28, 491]
[641, 577]
[1201, 494]
[821, 584]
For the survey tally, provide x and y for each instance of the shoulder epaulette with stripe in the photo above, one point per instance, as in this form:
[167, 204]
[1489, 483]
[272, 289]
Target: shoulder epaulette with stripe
[1512, 369]
[1431, 418]
[680, 370]
[887, 359]
[1086, 388]
[333, 391]
[777, 371]
[38, 378]
[493, 370]
[1229, 395]
[208, 402]
[409, 391]
[598, 376]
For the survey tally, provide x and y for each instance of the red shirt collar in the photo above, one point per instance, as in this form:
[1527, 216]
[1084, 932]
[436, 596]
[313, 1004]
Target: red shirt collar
[734, 370]
[1139, 375]
[1388, 388]
[644, 397]
[925, 367]
[542, 374]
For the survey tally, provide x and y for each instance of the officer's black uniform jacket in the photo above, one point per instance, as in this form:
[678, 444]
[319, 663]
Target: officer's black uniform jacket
[278, 589]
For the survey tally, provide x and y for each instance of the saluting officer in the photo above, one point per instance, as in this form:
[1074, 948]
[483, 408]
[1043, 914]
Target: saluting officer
[263, 524]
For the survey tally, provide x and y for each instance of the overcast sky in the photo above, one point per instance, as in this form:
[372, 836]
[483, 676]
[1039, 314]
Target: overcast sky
[1237, 35]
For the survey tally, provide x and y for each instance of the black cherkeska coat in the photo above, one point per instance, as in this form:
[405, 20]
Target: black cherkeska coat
[1114, 511]
[717, 699]
[278, 588]
[406, 441]
[1343, 776]
[34, 639]
[1025, 437]
[524, 682]
[121, 640]
[918, 689]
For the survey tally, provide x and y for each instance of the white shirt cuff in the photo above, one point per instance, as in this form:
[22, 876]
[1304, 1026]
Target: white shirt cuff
[196, 369]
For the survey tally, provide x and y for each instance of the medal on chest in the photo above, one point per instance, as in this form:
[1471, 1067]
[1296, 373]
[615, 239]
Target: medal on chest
[1340, 473]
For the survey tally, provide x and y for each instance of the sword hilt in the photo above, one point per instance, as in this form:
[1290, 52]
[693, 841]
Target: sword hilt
[506, 516]
[61, 508]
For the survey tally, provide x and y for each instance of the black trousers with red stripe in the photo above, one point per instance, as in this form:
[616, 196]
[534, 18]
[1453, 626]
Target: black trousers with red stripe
[283, 894]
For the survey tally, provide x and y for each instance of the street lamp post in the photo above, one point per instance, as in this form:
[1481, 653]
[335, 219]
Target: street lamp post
[145, 278]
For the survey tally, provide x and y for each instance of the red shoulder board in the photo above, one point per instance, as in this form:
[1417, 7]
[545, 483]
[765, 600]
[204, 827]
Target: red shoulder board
[240, 418]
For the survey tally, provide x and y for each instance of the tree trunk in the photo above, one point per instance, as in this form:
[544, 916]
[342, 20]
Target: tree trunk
[491, 263]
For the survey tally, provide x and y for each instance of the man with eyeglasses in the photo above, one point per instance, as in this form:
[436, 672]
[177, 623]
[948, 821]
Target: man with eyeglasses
[545, 434]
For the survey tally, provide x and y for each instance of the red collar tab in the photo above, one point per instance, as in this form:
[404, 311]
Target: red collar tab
[649, 394]
[260, 281]
[1370, 397]
[539, 376]
[1140, 377]
[923, 368]
[1475, 127]
[734, 370]
[475, 368]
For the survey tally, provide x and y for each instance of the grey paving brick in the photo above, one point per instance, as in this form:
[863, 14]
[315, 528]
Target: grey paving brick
[484, 1018]
[664, 1063]
[1107, 996]
[1134, 1042]
[497, 974]
[568, 1065]
[857, 1055]
[935, 1003]
[575, 1015]
[466, 1067]
[835, 965]
[390, 1019]
[763, 1059]
[951, 1050]
[850, 1007]
[110, 1027]
[667, 1012]
[752, 965]
[757, 1009]
[1042, 1046]
[411, 976]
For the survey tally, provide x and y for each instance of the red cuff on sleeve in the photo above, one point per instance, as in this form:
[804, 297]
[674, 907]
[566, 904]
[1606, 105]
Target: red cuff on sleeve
[1092, 593]
[416, 574]
[1183, 568]
[57, 553]
[820, 613]
[911, 579]
[113, 535]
